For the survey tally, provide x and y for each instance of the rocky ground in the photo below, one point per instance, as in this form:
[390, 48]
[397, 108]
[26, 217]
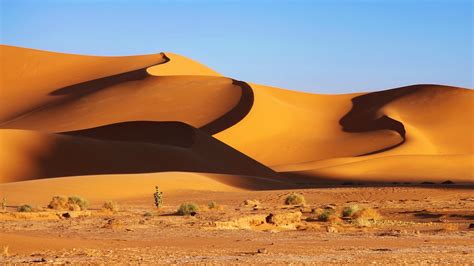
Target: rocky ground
[417, 225]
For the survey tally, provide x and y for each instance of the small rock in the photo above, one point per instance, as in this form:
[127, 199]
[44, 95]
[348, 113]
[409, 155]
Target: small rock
[262, 251]
[471, 226]
[331, 229]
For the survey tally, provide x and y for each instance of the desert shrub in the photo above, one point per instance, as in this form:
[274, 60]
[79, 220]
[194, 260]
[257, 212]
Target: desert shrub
[59, 203]
[158, 197]
[366, 217]
[111, 206]
[350, 210]
[212, 205]
[25, 208]
[147, 214]
[188, 208]
[4, 204]
[77, 203]
[326, 215]
[295, 199]
[368, 214]
[252, 203]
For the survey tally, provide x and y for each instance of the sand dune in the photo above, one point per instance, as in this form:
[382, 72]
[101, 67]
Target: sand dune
[131, 186]
[133, 147]
[154, 113]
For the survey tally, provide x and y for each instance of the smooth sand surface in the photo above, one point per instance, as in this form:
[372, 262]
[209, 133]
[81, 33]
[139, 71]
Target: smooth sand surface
[73, 115]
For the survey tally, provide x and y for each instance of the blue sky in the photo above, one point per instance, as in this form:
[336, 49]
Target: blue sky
[322, 46]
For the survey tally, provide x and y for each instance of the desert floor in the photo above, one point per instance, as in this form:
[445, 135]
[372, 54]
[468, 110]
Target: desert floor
[426, 224]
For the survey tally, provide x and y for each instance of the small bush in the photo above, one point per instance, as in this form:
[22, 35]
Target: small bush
[111, 206]
[366, 217]
[147, 214]
[368, 214]
[188, 208]
[76, 202]
[25, 208]
[252, 203]
[326, 215]
[350, 210]
[295, 199]
[213, 205]
[59, 203]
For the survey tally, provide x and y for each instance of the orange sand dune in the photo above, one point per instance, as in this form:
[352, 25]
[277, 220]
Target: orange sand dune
[180, 65]
[28, 76]
[130, 186]
[414, 133]
[133, 147]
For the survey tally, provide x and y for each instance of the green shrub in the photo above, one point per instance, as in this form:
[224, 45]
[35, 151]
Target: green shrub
[295, 199]
[350, 210]
[326, 215]
[188, 208]
[111, 206]
[25, 208]
[76, 201]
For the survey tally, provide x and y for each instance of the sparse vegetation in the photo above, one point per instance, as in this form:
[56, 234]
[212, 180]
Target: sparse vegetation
[147, 214]
[295, 199]
[188, 208]
[212, 205]
[158, 196]
[72, 203]
[59, 203]
[111, 206]
[5, 251]
[4, 204]
[25, 208]
[366, 217]
[350, 210]
[326, 215]
[251, 203]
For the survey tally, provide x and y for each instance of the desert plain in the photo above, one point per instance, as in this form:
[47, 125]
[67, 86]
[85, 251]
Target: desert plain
[270, 175]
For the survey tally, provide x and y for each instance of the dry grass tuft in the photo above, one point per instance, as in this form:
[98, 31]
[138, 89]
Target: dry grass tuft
[188, 208]
[295, 199]
[111, 206]
[366, 217]
[5, 252]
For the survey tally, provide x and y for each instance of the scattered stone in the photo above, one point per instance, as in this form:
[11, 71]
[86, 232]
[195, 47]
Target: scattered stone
[471, 226]
[262, 251]
[331, 229]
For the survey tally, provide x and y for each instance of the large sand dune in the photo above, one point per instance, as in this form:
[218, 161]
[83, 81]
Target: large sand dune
[68, 115]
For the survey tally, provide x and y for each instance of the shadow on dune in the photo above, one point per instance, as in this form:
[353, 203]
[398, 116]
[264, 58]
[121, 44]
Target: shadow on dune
[164, 133]
[312, 181]
[101, 83]
[364, 115]
[236, 114]
[141, 147]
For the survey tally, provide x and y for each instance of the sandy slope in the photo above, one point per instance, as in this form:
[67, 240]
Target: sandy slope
[38, 73]
[129, 186]
[132, 147]
[410, 134]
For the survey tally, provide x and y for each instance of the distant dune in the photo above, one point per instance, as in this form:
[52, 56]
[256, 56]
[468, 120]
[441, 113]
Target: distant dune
[86, 118]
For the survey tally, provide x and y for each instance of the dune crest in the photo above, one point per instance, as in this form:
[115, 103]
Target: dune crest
[165, 112]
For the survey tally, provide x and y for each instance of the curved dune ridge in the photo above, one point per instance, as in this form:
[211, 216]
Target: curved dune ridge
[94, 117]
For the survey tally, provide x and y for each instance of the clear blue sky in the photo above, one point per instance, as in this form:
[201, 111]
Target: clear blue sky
[324, 46]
